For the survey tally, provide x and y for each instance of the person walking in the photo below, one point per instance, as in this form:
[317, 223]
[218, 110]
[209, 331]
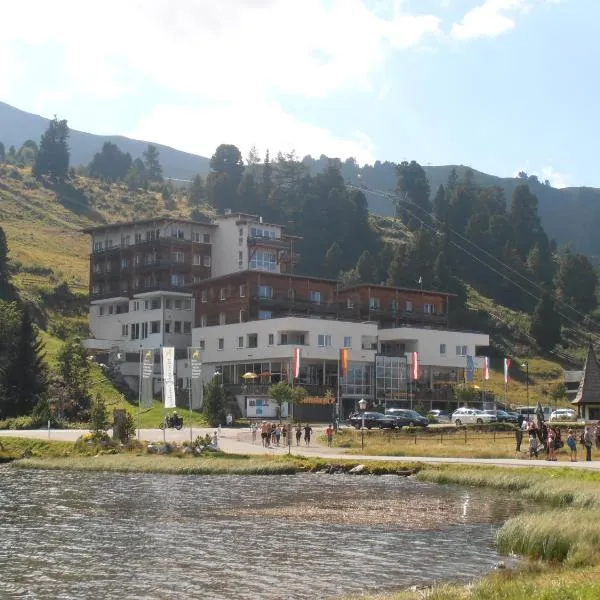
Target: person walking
[519, 437]
[572, 444]
[587, 443]
[298, 434]
[329, 434]
[307, 433]
[533, 444]
[277, 434]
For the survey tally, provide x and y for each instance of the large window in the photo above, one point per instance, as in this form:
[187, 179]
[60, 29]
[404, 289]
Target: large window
[347, 341]
[324, 340]
[265, 314]
[390, 377]
[461, 350]
[263, 261]
[265, 291]
[263, 233]
[314, 296]
[154, 326]
[252, 341]
[357, 380]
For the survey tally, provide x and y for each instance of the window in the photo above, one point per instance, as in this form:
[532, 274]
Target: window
[137, 259]
[177, 233]
[223, 294]
[408, 306]
[443, 349]
[177, 280]
[349, 303]
[314, 296]
[461, 350]
[220, 344]
[177, 327]
[324, 340]
[203, 320]
[138, 238]
[177, 304]
[135, 331]
[136, 305]
[264, 261]
[394, 306]
[203, 296]
[374, 303]
[291, 294]
[155, 304]
[202, 345]
[428, 308]
[168, 303]
[206, 261]
[252, 340]
[100, 311]
[197, 260]
[178, 257]
[243, 290]
[206, 238]
[243, 316]
[265, 314]
[155, 327]
[240, 341]
[167, 326]
[265, 291]
[347, 341]
[241, 231]
[187, 304]
[124, 330]
[284, 339]
[222, 319]
[271, 339]
[97, 246]
[144, 330]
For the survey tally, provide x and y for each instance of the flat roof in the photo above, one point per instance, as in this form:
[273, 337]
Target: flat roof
[118, 224]
[269, 273]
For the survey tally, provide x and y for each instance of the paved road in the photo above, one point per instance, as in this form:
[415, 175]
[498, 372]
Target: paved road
[239, 441]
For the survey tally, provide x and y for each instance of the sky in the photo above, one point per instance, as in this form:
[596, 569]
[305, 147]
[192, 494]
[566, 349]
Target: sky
[500, 85]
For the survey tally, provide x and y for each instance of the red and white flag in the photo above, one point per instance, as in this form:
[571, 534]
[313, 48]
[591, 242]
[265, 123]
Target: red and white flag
[296, 363]
[506, 367]
[415, 371]
[486, 368]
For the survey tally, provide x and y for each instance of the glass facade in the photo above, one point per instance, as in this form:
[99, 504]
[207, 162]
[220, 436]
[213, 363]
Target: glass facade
[357, 381]
[390, 377]
[264, 261]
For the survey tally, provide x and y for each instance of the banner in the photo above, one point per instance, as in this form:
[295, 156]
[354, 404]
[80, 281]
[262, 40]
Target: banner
[168, 374]
[147, 365]
[415, 370]
[506, 367]
[470, 370]
[486, 368]
[195, 358]
[343, 362]
[296, 363]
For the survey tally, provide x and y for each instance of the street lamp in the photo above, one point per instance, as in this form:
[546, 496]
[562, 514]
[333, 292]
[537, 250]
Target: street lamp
[362, 404]
[525, 365]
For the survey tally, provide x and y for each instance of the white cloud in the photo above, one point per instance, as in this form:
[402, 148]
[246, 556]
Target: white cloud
[201, 130]
[487, 19]
[556, 179]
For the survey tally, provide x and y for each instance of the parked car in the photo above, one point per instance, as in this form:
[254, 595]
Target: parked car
[440, 416]
[464, 416]
[372, 419]
[502, 416]
[563, 414]
[407, 417]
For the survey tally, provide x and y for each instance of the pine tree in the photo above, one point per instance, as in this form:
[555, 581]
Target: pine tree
[152, 163]
[5, 288]
[267, 176]
[545, 323]
[214, 403]
[26, 378]
[196, 192]
[74, 369]
[53, 156]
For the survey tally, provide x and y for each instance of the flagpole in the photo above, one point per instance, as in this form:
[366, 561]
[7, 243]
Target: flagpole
[190, 389]
[139, 406]
[162, 374]
[339, 397]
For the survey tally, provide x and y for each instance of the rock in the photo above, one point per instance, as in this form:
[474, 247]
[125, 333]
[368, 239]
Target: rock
[357, 469]
[500, 565]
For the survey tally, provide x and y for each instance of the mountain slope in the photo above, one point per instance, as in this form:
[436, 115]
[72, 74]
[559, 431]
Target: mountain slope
[16, 126]
[570, 215]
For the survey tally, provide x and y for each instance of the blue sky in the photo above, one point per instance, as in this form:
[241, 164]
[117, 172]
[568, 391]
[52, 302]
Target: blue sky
[500, 85]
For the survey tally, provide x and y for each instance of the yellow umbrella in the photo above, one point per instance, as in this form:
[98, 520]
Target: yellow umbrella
[249, 375]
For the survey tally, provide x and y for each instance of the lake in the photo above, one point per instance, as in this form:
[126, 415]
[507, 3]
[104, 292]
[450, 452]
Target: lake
[76, 535]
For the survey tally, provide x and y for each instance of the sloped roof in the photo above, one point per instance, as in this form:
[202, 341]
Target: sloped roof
[589, 386]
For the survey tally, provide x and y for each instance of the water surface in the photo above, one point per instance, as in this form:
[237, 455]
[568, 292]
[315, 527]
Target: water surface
[72, 535]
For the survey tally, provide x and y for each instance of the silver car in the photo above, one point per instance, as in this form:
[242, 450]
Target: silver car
[468, 416]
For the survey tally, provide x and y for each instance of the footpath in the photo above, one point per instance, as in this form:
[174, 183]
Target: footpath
[239, 441]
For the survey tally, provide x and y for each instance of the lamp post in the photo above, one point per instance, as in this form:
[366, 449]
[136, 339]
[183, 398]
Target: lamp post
[362, 404]
[526, 366]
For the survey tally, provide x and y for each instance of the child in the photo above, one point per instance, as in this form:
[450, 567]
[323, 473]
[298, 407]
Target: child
[533, 444]
[572, 445]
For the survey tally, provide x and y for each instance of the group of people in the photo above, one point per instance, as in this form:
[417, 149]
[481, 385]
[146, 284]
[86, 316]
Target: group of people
[549, 438]
[276, 434]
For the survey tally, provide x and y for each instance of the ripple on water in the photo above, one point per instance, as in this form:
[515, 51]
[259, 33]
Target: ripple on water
[70, 535]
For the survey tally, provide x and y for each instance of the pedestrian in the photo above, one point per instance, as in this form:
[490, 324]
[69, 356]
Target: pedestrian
[253, 428]
[215, 441]
[550, 450]
[284, 433]
[572, 445]
[265, 433]
[277, 434]
[519, 437]
[598, 435]
[307, 432]
[329, 434]
[298, 434]
[533, 444]
[587, 442]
